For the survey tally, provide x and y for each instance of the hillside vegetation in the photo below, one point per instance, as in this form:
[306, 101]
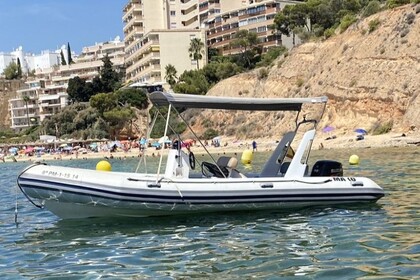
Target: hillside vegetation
[370, 73]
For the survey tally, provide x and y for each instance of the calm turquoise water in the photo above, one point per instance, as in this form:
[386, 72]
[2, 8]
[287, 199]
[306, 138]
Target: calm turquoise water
[378, 241]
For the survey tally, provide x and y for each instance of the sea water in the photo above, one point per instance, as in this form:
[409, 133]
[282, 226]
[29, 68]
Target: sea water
[375, 241]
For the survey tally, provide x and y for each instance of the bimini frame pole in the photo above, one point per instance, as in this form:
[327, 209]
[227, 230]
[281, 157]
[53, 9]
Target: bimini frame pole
[164, 137]
[149, 131]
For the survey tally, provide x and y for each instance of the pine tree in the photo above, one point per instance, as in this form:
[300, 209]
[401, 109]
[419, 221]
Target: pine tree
[110, 79]
[63, 60]
[19, 68]
[69, 54]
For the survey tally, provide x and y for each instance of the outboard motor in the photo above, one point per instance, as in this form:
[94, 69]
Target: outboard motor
[327, 168]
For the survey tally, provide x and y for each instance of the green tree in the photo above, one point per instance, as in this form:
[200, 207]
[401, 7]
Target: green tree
[192, 82]
[133, 97]
[19, 68]
[70, 59]
[170, 75]
[395, 3]
[216, 71]
[346, 21]
[78, 90]
[212, 53]
[104, 102]
[11, 71]
[63, 60]
[26, 99]
[271, 55]
[117, 118]
[85, 118]
[291, 17]
[246, 41]
[372, 8]
[76, 121]
[196, 50]
[110, 79]
[97, 85]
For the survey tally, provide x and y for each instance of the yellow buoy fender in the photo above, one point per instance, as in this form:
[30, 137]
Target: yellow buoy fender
[247, 157]
[354, 160]
[103, 165]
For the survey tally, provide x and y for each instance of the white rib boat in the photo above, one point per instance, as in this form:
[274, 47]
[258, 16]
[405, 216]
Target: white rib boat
[282, 183]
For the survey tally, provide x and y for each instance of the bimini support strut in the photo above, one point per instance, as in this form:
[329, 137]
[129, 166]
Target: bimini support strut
[164, 137]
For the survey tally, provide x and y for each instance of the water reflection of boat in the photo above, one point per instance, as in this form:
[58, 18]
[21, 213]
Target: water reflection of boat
[282, 183]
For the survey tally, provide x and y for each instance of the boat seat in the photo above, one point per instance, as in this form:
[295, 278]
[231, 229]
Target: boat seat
[224, 167]
[283, 168]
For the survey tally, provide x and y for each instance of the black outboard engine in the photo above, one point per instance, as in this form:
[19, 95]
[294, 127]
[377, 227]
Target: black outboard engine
[328, 168]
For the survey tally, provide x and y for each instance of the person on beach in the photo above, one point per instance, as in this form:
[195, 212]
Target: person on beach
[254, 146]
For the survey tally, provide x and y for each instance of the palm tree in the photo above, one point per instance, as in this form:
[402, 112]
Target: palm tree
[26, 99]
[170, 75]
[196, 50]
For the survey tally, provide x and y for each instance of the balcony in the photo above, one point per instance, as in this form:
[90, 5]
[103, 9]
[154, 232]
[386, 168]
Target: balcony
[134, 21]
[135, 7]
[134, 30]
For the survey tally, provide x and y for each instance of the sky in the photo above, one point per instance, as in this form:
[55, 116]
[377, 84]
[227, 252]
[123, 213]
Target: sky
[39, 25]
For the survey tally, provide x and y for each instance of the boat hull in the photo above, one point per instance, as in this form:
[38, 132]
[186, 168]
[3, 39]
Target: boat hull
[79, 193]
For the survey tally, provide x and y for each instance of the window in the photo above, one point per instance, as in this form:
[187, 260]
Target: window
[173, 13]
[252, 20]
[262, 28]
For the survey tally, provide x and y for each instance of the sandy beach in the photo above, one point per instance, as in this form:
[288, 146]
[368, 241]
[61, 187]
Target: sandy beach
[231, 145]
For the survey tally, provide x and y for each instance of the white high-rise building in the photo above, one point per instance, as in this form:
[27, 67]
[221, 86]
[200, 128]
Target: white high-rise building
[31, 62]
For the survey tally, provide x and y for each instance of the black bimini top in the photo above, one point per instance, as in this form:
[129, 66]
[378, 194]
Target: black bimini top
[177, 100]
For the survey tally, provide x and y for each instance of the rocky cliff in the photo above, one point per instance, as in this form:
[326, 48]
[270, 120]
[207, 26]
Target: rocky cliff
[7, 91]
[370, 73]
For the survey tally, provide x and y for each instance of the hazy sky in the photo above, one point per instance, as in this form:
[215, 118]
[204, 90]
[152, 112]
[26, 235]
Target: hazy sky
[38, 25]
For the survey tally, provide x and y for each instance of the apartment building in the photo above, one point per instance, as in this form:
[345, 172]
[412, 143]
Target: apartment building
[88, 64]
[48, 92]
[44, 100]
[256, 17]
[30, 62]
[160, 48]
[158, 33]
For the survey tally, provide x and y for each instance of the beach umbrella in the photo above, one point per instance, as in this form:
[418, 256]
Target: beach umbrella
[360, 131]
[328, 128]
[156, 144]
[188, 141]
[165, 140]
